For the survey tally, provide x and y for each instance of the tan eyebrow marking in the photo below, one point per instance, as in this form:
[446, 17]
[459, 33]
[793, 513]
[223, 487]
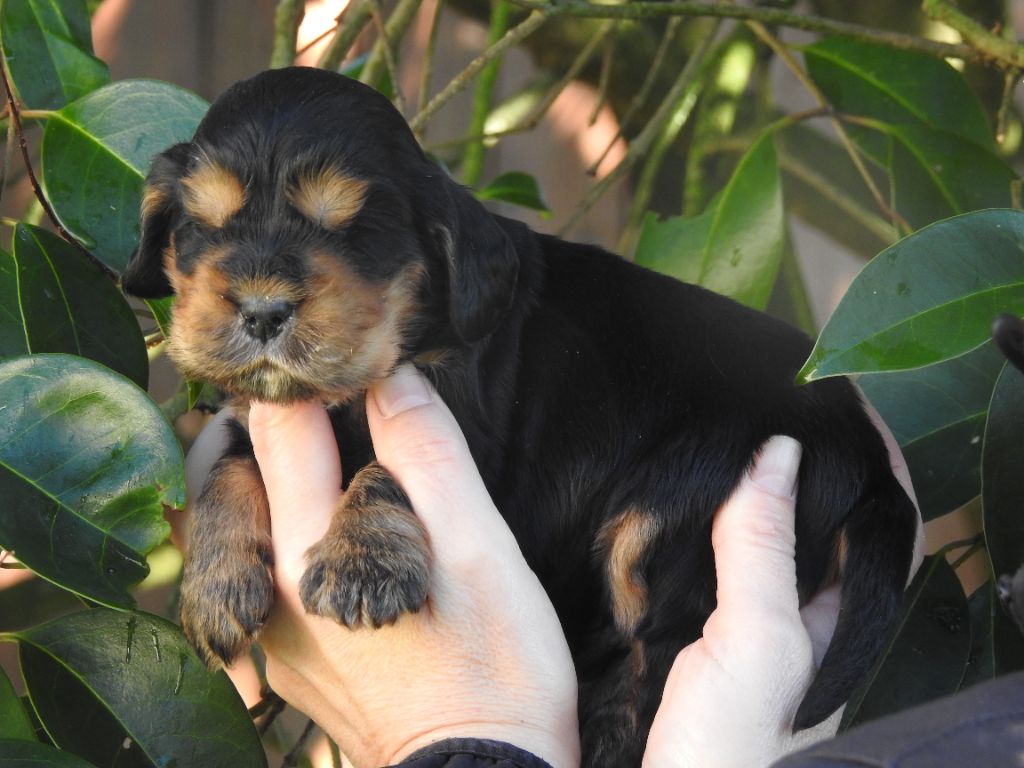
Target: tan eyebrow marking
[328, 197]
[213, 194]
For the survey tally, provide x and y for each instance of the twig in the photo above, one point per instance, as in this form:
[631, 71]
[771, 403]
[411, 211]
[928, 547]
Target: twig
[428, 62]
[604, 80]
[973, 544]
[8, 148]
[287, 19]
[645, 139]
[765, 15]
[356, 19]
[473, 157]
[371, 74]
[461, 81]
[668, 135]
[1006, 103]
[645, 89]
[36, 188]
[271, 713]
[268, 698]
[292, 758]
[851, 149]
[987, 43]
[395, 29]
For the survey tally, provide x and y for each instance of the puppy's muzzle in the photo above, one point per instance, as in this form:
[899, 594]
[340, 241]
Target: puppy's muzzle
[264, 317]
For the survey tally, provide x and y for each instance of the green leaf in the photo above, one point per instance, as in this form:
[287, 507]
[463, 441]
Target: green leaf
[1002, 481]
[927, 656]
[142, 670]
[58, 301]
[896, 87]
[930, 297]
[96, 152]
[937, 415]
[30, 754]
[87, 464]
[517, 188]
[354, 69]
[92, 732]
[997, 647]
[936, 175]
[48, 49]
[735, 246]
[14, 722]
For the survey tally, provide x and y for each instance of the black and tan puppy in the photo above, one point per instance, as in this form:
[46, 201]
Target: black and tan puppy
[313, 247]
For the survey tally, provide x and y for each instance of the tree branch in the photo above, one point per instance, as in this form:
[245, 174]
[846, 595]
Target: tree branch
[768, 16]
[462, 80]
[356, 17]
[473, 156]
[397, 24]
[287, 18]
[986, 42]
[12, 106]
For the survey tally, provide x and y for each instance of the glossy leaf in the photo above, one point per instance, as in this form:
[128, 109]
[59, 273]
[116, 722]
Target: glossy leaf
[61, 302]
[930, 297]
[937, 415]
[96, 152]
[14, 722]
[997, 647]
[142, 670]
[48, 49]
[936, 175]
[896, 87]
[31, 754]
[735, 246]
[92, 732]
[517, 188]
[87, 464]
[927, 656]
[1002, 481]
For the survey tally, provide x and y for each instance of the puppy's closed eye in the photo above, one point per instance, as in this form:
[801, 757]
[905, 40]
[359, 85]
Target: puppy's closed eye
[329, 198]
[213, 194]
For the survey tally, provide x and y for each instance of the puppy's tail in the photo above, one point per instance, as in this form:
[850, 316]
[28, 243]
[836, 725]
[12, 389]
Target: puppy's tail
[880, 544]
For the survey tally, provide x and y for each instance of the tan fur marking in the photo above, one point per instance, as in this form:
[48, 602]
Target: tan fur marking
[153, 199]
[329, 197]
[626, 539]
[213, 194]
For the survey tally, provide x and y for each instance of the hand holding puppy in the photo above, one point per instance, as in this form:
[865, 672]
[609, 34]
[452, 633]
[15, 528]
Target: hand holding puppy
[485, 658]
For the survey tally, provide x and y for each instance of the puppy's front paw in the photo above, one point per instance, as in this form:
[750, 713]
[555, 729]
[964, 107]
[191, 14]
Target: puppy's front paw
[226, 596]
[372, 565]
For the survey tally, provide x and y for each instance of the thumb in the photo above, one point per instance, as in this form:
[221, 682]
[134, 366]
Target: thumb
[298, 459]
[754, 539]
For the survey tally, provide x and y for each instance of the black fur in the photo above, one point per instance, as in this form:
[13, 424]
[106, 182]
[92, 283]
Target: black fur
[586, 386]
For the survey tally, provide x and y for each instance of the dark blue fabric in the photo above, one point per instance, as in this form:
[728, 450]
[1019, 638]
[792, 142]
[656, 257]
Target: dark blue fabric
[982, 726]
[471, 753]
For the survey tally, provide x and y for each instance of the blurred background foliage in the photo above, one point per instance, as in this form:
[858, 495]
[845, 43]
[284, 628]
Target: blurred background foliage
[767, 150]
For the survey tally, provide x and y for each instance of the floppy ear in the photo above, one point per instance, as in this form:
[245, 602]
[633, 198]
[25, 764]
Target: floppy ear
[482, 265]
[144, 276]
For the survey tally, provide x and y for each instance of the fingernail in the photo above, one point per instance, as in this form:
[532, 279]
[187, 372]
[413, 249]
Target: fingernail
[401, 391]
[775, 470]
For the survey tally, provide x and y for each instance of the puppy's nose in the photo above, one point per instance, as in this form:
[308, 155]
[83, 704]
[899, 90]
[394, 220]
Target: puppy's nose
[265, 316]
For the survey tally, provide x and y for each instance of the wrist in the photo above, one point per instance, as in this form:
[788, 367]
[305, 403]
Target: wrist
[557, 749]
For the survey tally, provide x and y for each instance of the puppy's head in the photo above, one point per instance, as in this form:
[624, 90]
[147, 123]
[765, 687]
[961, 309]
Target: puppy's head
[310, 243]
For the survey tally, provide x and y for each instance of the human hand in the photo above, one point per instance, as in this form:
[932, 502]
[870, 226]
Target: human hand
[484, 658]
[729, 701]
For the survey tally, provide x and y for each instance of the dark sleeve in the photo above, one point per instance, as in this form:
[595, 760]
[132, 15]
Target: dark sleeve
[471, 753]
[982, 726]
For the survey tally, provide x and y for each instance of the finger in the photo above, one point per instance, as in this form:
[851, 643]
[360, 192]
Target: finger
[819, 616]
[416, 437]
[207, 448]
[298, 458]
[902, 473]
[754, 540]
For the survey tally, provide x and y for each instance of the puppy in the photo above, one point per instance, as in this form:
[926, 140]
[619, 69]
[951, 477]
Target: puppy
[312, 247]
